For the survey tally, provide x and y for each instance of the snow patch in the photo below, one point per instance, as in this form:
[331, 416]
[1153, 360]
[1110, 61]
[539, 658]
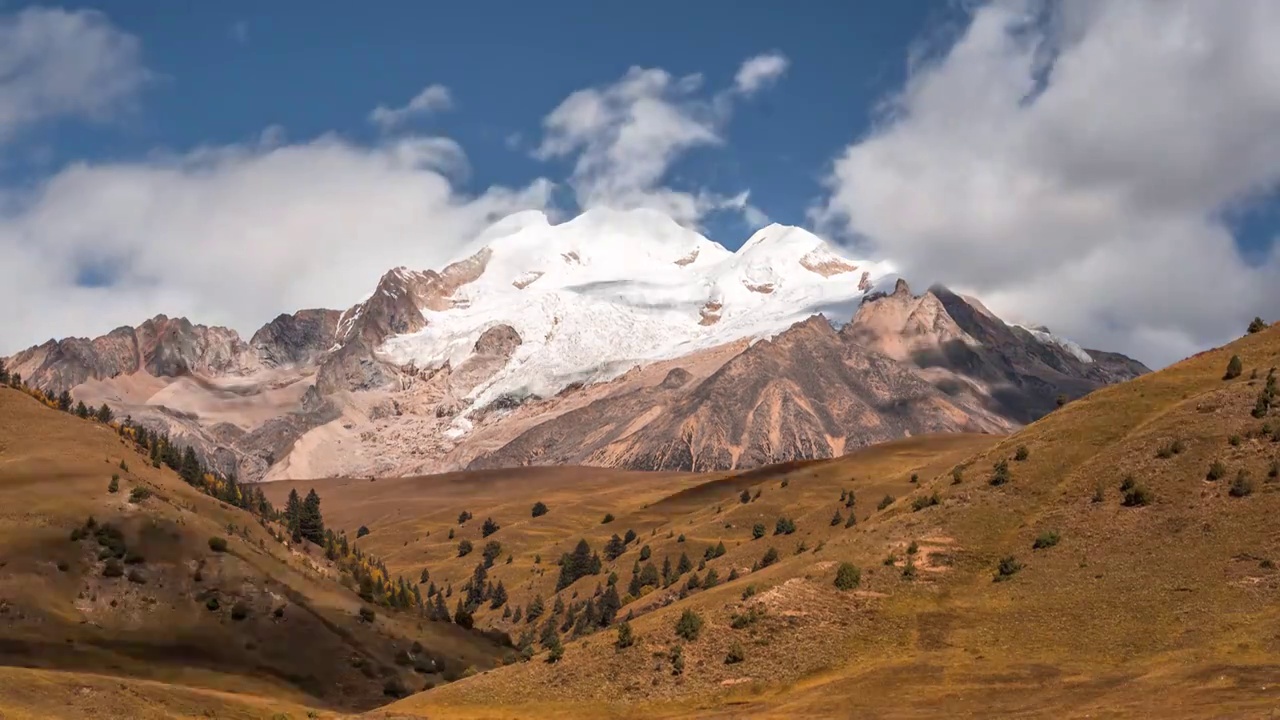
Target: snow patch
[1049, 338]
[617, 289]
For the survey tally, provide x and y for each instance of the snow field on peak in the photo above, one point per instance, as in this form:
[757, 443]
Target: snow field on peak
[593, 297]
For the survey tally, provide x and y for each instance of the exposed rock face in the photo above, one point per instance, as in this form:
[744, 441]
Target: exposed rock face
[161, 346]
[958, 342]
[805, 394]
[296, 339]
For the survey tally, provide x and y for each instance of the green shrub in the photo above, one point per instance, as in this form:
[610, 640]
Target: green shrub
[885, 502]
[909, 569]
[113, 568]
[853, 520]
[608, 518]
[757, 531]
[957, 475]
[1242, 486]
[539, 509]
[1021, 454]
[367, 614]
[114, 485]
[464, 548]
[1046, 539]
[999, 473]
[745, 497]
[913, 548]
[139, 494]
[1138, 496]
[754, 614]
[1234, 368]
[784, 526]
[218, 544]
[365, 531]
[212, 604]
[848, 576]
[770, 557]
[689, 625]
[748, 591]
[625, 636]
[1216, 470]
[925, 501]
[1234, 441]
[735, 654]
[1009, 566]
[1257, 326]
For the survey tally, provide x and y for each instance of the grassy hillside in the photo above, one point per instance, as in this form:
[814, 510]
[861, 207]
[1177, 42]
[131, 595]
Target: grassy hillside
[1102, 572]
[1115, 559]
[145, 590]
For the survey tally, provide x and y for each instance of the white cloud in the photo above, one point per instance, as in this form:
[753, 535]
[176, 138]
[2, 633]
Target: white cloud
[760, 72]
[57, 63]
[627, 135]
[1073, 167]
[432, 99]
[233, 235]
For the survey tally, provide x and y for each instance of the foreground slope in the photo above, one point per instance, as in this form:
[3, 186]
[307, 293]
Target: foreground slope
[142, 594]
[1116, 558]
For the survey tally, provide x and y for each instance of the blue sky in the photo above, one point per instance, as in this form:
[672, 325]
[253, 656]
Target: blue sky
[1108, 168]
[225, 71]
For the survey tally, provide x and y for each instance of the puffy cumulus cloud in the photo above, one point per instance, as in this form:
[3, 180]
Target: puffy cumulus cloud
[1073, 165]
[626, 136]
[760, 72]
[232, 235]
[57, 63]
[432, 99]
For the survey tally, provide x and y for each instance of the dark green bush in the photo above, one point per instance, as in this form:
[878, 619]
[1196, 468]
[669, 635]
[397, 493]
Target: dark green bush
[848, 576]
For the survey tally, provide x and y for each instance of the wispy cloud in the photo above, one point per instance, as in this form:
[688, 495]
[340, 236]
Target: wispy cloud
[760, 72]
[625, 137]
[55, 63]
[432, 99]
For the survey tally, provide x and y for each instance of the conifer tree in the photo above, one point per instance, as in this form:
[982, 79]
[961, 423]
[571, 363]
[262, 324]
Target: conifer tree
[104, 415]
[490, 527]
[499, 596]
[64, 401]
[293, 513]
[535, 609]
[83, 412]
[614, 548]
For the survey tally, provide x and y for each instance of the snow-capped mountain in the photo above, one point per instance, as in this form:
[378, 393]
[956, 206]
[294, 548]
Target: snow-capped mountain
[615, 338]
[593, 297]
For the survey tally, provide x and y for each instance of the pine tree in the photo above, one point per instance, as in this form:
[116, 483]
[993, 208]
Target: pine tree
[490, 527]
[310, 521]
[609, 605]
[499, 596]
[424, 577]
[462, 616]
[64, 401]
[104, 415]
[577, 564]
[293, 513]
[666, 571]
[535, 609]
[83, 412]
[4, 374]
[190, 466]
[614, 548]
[685, 565]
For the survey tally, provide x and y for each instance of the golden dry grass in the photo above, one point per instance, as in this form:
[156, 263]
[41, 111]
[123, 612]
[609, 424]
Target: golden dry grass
[1166, 610]
[59, 612]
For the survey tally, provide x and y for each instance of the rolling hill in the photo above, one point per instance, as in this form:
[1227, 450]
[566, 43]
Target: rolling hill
[1098, 562]
[1114, 558]
[192, 602]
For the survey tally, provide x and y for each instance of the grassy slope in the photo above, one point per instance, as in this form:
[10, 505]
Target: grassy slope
[1167, 609]
[59, 613]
